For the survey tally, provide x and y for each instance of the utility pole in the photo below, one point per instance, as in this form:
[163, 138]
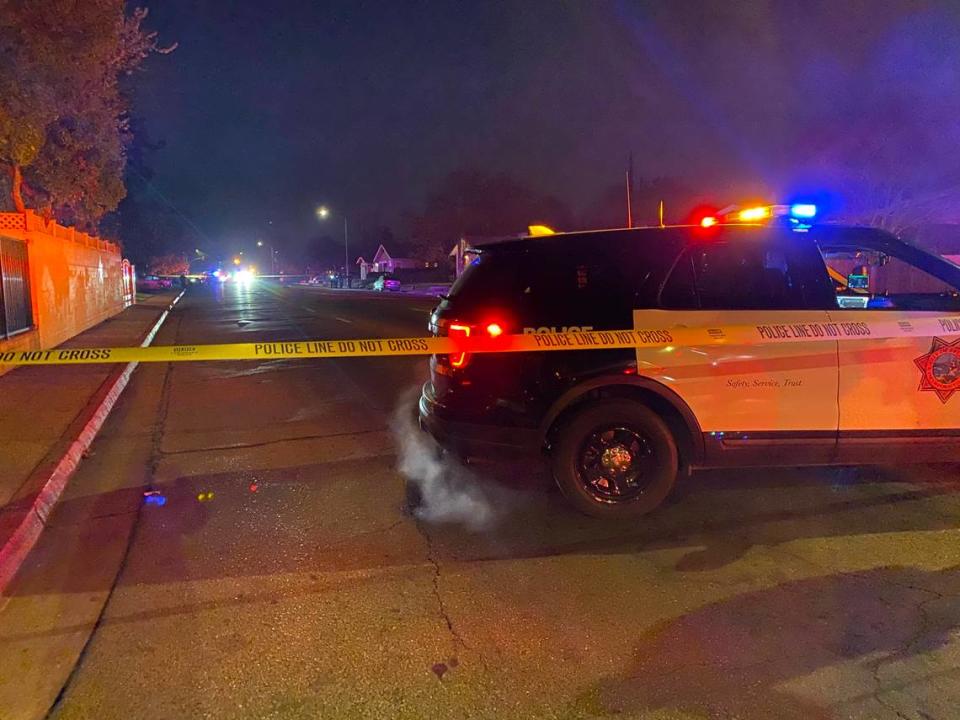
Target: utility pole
[630, 191]
[273, 254]
[346, 251]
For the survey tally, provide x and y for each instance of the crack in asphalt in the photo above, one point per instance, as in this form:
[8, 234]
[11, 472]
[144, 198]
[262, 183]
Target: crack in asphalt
[925, 626]
[244, 446]
[877, 693]
[438, 595]
[437, 575]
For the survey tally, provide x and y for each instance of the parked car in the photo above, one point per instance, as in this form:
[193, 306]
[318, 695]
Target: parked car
[386, 282]
[148, 283]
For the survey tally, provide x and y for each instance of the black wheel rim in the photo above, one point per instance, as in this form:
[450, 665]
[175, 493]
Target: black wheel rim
[615, 464]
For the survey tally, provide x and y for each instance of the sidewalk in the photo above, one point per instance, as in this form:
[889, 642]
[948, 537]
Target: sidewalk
[43, 408]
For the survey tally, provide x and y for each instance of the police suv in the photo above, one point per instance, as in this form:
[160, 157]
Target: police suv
[620, 426]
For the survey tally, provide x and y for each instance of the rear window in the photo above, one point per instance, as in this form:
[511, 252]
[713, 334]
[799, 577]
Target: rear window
[759, 272]
[586, 277]
[491, 276]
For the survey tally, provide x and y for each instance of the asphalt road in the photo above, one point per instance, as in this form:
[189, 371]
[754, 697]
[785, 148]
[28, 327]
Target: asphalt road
[281, 578]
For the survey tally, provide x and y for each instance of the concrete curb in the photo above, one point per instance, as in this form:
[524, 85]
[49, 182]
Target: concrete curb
[34, 517]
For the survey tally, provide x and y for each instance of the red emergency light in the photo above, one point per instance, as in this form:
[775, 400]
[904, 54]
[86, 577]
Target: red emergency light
[490, 330]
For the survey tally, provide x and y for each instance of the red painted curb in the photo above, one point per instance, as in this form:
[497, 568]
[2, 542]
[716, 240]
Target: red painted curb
[27, 532]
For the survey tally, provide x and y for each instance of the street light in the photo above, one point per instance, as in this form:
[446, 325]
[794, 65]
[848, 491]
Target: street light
[322, 214]
[273, 253]
[200, 255]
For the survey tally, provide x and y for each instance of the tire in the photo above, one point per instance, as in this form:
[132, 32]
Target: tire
[633, 473]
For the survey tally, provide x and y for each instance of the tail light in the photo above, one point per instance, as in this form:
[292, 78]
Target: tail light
[460, 359]
[461, 330]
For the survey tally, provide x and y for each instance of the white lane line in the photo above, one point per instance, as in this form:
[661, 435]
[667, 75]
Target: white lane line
[342, 319]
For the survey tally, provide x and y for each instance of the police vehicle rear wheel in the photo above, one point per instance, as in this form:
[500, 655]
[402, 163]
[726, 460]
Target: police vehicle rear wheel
[615, 459]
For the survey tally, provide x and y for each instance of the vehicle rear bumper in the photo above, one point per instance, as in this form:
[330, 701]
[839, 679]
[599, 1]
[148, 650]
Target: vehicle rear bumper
[473, 438]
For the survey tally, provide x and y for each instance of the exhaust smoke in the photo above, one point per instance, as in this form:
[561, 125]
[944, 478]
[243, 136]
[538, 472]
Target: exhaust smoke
[448, 492]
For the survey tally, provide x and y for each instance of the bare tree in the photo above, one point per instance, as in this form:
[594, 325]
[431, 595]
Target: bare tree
[890, 204]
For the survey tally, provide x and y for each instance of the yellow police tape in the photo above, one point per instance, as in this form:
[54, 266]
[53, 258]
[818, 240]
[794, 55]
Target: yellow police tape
[643, 338]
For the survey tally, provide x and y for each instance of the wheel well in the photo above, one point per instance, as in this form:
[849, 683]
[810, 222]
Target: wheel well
[656, 402]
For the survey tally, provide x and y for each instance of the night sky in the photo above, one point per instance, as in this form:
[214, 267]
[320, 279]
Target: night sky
[268, 109]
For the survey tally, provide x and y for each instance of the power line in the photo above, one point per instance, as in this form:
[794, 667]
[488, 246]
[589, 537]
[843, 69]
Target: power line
[173, 207]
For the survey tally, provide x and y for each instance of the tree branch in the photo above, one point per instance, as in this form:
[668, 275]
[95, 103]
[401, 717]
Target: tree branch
[16, 186]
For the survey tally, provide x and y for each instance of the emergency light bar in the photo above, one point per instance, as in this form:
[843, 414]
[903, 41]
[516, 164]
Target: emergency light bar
[799, 214]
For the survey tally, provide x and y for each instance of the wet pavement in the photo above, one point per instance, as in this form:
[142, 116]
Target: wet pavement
[272, 571]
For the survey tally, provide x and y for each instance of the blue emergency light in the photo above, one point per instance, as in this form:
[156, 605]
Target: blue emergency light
[797, 214]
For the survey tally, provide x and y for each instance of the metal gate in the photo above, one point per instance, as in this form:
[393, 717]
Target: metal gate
[16, 314]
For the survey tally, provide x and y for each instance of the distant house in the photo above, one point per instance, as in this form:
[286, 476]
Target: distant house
[383, 262]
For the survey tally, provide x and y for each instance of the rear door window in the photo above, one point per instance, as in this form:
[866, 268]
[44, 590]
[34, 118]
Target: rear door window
[745, 276]
[737, 276]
